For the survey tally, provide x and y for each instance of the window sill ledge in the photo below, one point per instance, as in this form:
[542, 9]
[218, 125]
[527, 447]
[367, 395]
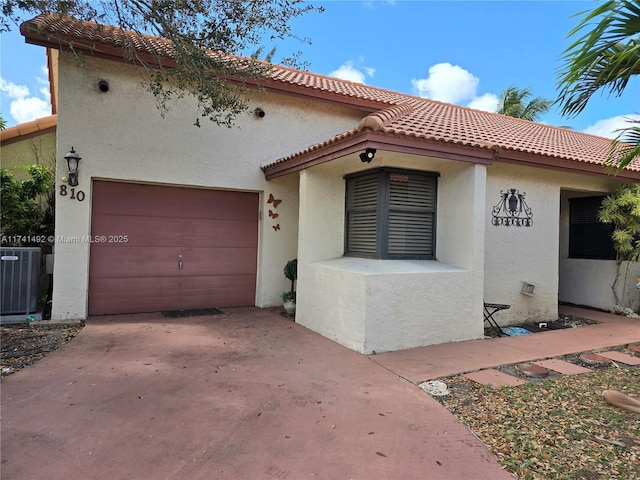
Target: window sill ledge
[370, 266]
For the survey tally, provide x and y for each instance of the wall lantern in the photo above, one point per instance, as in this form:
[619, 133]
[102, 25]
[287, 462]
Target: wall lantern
[368, 155]
[73, 160]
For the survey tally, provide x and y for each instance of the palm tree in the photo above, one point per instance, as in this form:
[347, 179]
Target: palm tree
[513, 102]
[604, 57]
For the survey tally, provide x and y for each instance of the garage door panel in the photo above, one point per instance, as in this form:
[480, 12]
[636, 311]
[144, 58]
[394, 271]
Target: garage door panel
[163, 261]
[214, 234]
[153, 200]
[171, 231]
[137, 295]
[230, 291]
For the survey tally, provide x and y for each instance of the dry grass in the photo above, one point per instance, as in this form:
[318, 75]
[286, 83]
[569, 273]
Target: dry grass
[555, 429]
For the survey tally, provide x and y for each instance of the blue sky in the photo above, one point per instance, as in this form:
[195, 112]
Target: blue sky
[462, 52]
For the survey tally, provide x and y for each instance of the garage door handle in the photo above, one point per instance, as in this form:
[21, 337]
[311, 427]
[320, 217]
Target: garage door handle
[180, 265]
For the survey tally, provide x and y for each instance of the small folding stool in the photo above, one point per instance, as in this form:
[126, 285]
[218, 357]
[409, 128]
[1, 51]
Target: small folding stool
[489, 310]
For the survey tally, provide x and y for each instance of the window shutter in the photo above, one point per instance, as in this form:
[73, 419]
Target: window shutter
[412, 200]
[588, 237]
[391, 213]
[410, 234]
[412, 191]
[362, 217]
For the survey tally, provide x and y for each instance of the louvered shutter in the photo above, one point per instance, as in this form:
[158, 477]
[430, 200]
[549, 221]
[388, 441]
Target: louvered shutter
[362, 216]
[391, 214]
[412, 202]
[588, 237]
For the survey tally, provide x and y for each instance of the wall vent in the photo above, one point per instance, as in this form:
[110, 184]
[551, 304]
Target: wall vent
[528, 288]
[20, 279]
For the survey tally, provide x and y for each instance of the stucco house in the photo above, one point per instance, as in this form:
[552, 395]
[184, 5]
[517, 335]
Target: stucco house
[28, 143]
[405, 214]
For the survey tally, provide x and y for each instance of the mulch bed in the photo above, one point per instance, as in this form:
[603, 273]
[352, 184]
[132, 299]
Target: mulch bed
[563, 322]
[24, 344]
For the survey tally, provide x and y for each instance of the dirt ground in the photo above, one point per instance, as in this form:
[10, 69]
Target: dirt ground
[24, 344]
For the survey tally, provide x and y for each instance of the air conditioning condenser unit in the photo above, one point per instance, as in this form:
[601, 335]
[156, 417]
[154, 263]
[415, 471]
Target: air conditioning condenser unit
[20, 279]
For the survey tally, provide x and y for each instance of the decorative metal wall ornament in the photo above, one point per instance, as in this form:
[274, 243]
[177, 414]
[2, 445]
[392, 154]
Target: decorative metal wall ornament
[512, 210]
[275, 202]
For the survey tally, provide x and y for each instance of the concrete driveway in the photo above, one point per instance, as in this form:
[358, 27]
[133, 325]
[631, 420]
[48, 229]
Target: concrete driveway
[247, 395]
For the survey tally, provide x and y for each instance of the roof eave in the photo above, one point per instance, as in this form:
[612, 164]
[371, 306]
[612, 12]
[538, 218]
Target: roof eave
[108, 51]
[568, 165]
[353, 142]
[356, 142]
[309, 93]
[26, 130]
[70, 43]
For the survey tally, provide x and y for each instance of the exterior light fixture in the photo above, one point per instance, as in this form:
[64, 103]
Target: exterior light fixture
[73, 160]
[368, 155]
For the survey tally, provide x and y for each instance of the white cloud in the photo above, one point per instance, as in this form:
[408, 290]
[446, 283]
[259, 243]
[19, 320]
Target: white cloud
[347, 71]
[447, 83]
[12, 90]
[23, 106]
[487, 102]
[29, 108]
[608, 126]
[46, 93]
[453, 84]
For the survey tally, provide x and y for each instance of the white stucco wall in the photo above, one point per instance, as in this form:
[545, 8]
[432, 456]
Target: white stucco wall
[39, 149]
[517, 254]
[419, 303]
[538, 254]
[120, 135]
[381, 305]
[588, 282]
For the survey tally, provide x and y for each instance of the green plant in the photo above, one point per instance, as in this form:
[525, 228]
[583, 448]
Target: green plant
[622, 210]
[27, 206]
[604, 58]
[291, 272]
[513, 103]
[288, 296]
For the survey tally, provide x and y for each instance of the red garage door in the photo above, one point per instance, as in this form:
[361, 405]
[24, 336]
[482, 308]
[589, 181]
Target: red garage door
[157, 248]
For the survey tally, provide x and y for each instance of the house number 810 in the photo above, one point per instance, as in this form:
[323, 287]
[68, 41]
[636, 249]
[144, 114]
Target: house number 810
[73, 195]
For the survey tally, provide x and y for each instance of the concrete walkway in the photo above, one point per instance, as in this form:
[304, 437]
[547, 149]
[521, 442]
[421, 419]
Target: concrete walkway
[244, 395]
[425, 363]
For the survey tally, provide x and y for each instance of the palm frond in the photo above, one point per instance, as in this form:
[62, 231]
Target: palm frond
[603, 58]
[513, 103]
[625, 148]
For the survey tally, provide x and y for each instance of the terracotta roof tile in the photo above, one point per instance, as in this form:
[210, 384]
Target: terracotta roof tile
[69, 28]
[28, 129]
[390, 113]
[428, 120]
[451, 123]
